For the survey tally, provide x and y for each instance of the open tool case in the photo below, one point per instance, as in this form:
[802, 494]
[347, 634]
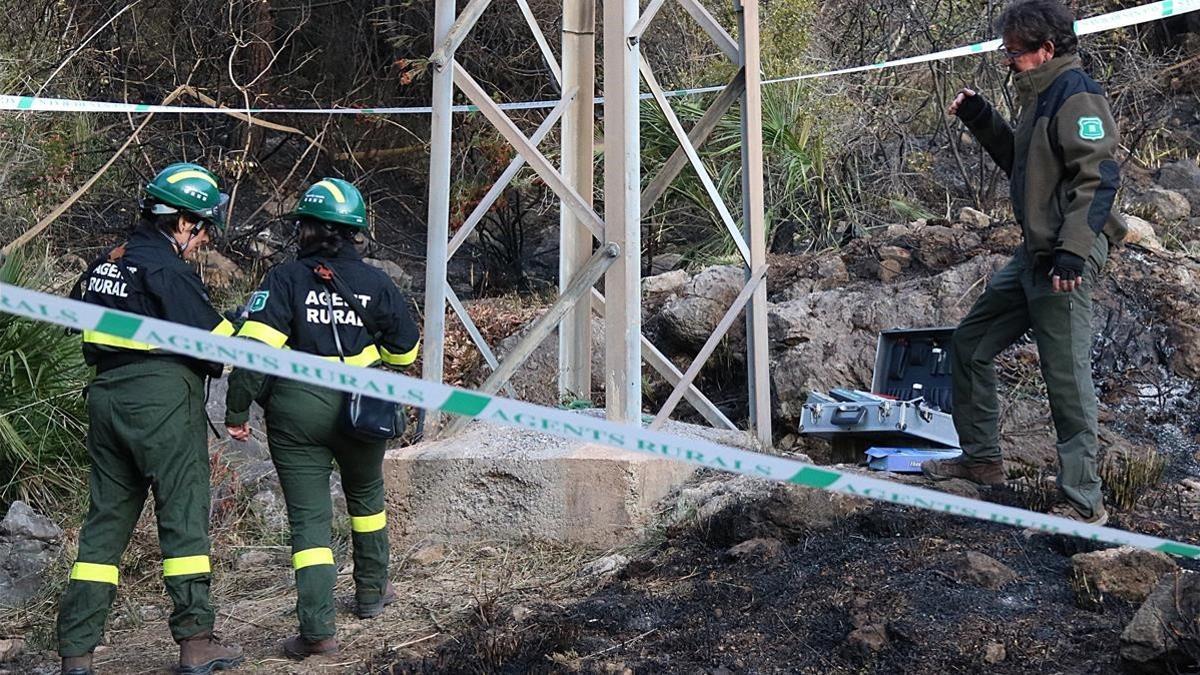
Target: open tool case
[910, 399]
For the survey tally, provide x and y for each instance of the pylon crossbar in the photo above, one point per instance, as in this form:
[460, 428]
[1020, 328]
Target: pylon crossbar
[540, 38]
[541, 329]
[537, 161]
[458, 32]
[710, 345]
[698, 136]
[644, 20]
[477, 337]
[710, 25]
[693, 157]
[510, 172]
[663, 365]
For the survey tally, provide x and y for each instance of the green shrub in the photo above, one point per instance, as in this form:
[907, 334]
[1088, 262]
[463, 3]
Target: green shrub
[803, 186]
[43, 417]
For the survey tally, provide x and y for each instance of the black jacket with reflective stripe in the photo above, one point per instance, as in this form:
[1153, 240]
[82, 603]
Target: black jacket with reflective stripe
[292, 307]
[155, 282]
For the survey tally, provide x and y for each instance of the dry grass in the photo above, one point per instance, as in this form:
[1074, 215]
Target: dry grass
[1087, 595]
[255, 603]
[1034, 489]
[496, 318]
[1128, 478]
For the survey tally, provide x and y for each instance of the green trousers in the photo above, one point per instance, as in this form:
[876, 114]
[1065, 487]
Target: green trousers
[147, 433]
[1019, 298]
[305, 441]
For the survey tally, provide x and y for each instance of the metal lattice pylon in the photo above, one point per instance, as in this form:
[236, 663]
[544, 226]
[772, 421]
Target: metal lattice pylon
[617, 258]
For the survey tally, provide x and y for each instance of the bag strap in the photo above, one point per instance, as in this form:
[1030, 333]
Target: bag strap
[335, 283]
[337, 339]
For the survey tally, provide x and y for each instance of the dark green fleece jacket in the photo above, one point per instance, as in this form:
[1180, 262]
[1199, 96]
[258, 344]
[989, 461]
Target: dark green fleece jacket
[1060, 160]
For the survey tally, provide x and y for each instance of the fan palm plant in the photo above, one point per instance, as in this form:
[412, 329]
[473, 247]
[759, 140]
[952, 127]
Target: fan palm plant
[43, 417]
[800, 187]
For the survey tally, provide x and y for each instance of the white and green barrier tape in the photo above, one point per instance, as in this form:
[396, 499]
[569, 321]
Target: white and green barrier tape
[295, 365]
[1096, 24]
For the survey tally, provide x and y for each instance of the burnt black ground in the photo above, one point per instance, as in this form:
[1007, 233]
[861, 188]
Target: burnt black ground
[687, 608]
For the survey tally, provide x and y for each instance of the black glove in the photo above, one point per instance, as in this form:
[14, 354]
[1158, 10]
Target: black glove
[971, 108]
[1067, 266]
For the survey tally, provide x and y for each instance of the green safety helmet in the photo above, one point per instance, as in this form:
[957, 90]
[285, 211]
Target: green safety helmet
[333, 200]
[187, 187]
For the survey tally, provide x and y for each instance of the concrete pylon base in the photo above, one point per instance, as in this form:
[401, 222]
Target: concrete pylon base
[495, 482]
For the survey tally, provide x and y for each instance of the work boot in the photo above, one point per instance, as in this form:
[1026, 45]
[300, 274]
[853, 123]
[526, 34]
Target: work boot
[77, 665]
[204, 653]
[1068, 510]
[982, 473]
[299, 647]
[368, 610]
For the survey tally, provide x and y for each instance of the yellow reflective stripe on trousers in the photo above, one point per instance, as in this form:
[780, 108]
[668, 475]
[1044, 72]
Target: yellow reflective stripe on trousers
[405, 359]
[104, 339]
[263, 333]
[312, 556]
[364, 524]
[104, 574]
[192, 564]
[364, 359]
[224, 329]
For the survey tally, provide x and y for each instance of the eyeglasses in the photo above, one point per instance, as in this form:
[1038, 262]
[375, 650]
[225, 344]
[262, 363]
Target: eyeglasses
[1009, 54]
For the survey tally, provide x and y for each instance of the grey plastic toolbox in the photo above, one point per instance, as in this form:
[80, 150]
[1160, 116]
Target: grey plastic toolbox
[910, 399]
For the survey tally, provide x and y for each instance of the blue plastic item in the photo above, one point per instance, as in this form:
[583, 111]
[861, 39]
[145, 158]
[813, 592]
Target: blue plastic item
[905, 460]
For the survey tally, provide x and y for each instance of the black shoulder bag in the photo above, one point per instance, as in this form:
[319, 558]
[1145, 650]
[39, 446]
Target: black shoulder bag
[362, 417]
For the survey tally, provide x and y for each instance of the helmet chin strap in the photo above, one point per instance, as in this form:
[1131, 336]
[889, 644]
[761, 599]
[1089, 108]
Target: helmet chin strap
[186, 244]
[180, 249]
[293, 241]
